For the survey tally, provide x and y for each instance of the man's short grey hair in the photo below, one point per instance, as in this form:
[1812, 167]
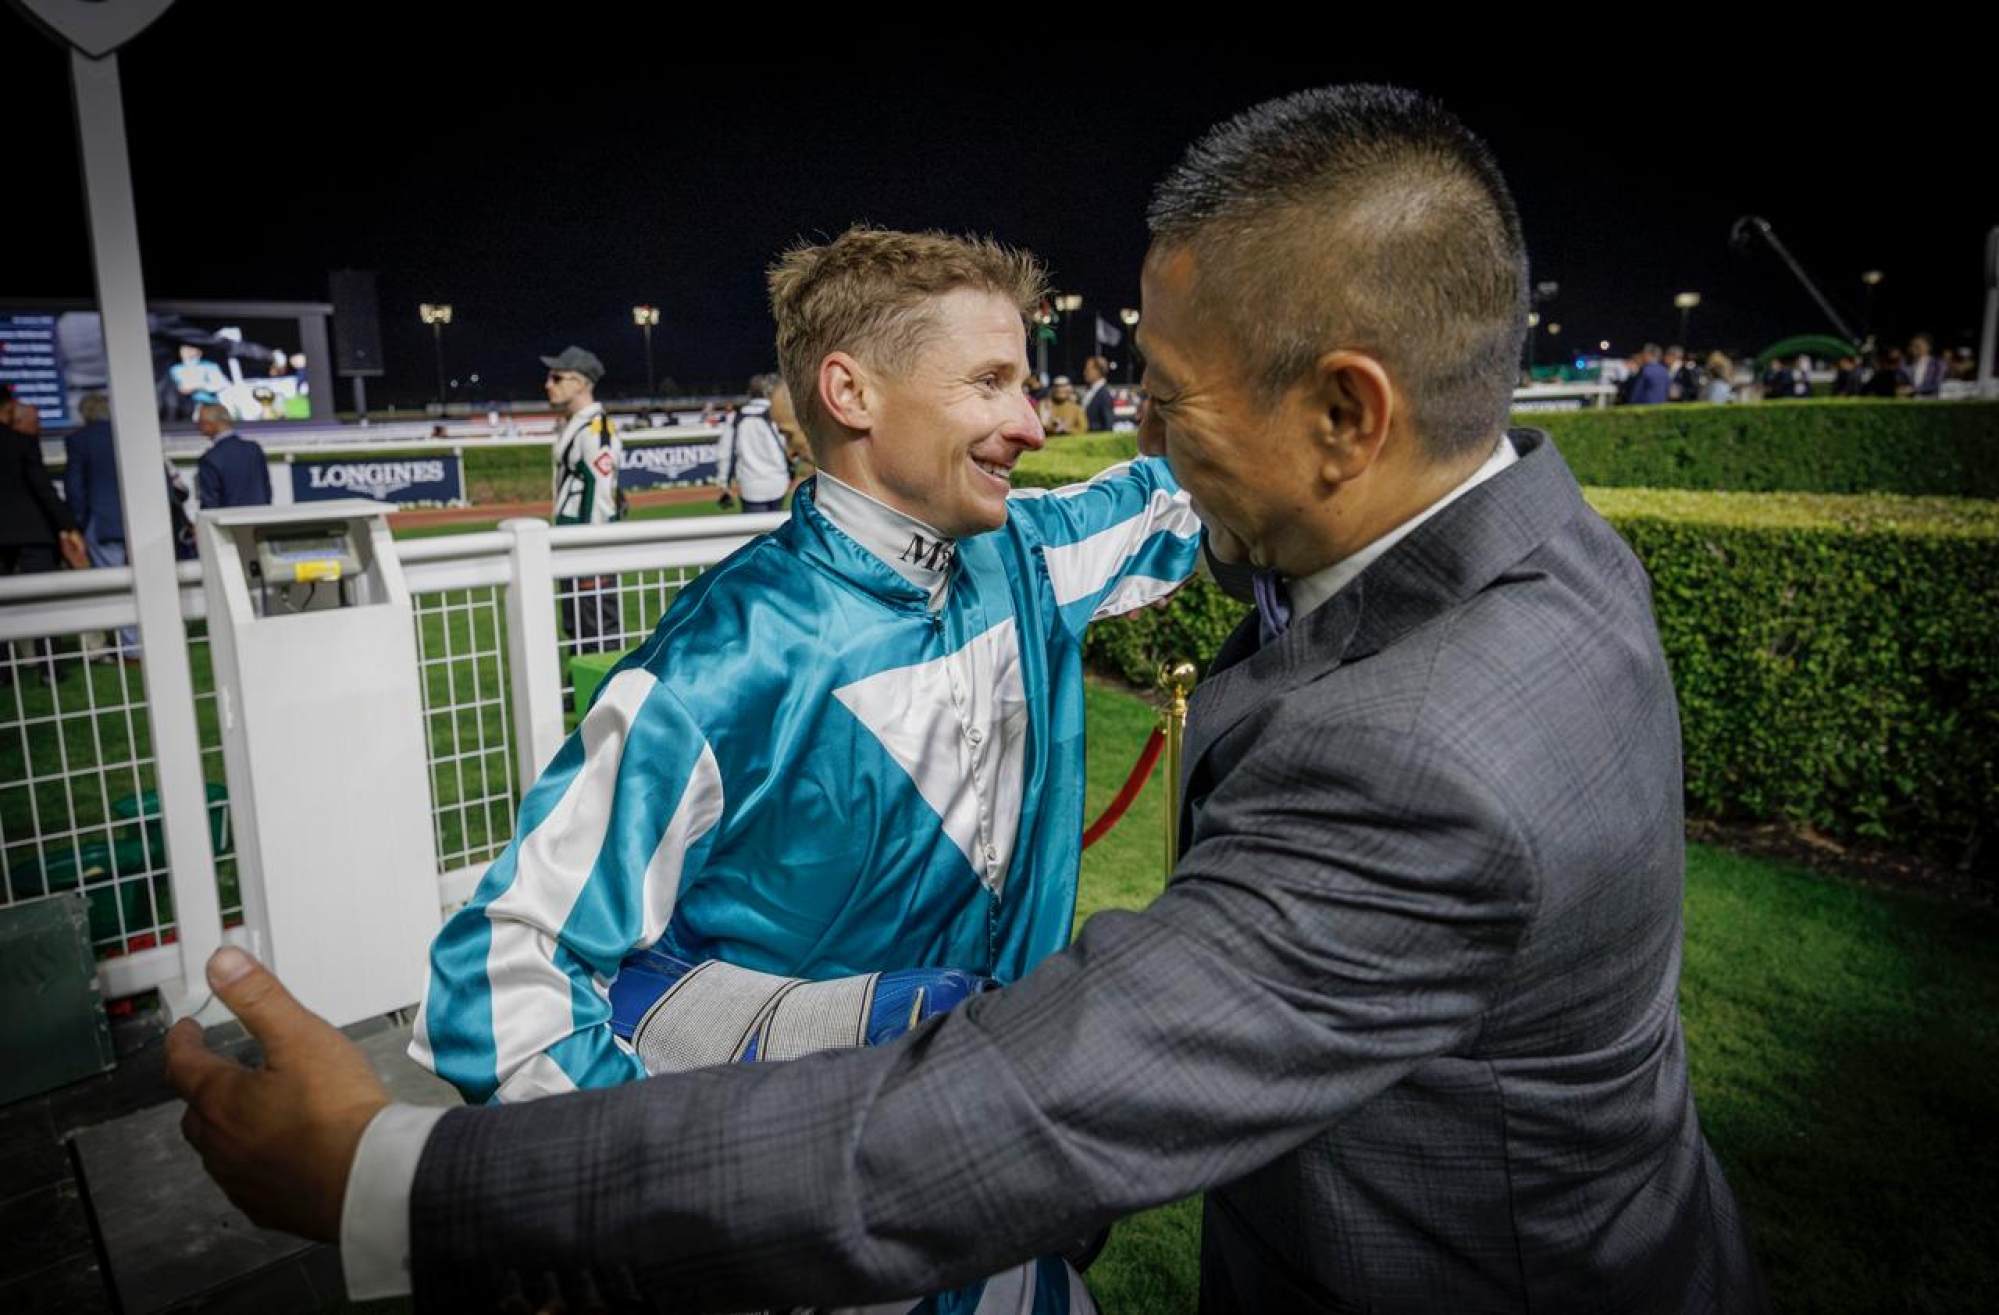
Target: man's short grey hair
[1366, 218]
[765, 385]
[216, 412]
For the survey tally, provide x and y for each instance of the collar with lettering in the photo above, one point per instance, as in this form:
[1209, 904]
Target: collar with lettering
[913, 550]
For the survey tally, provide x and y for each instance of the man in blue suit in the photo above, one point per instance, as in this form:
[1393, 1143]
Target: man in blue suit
[1653, 383]
[232, 472]
[90, 486]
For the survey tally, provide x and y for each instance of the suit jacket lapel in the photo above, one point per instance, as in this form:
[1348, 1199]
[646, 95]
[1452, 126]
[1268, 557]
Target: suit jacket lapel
[1245, 675]
[1447, 559]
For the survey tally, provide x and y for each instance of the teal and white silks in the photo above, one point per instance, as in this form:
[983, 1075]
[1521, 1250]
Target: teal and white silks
[815, 767]
[785, 776]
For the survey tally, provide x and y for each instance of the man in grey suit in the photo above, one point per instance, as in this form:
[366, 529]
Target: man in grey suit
[1407, 1010]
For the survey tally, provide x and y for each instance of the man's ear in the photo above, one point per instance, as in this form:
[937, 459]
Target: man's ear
[1355, 404]
[848, 392]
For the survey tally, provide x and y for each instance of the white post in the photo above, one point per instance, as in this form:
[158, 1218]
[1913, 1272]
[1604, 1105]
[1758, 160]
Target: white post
[532, 656]
[121, 297]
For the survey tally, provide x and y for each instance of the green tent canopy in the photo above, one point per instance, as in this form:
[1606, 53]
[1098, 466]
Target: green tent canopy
[1822, 346]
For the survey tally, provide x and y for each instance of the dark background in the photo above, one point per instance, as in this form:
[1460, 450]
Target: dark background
[543, 170]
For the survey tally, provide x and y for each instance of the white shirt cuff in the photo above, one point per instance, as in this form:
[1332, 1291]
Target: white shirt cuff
[375, 1215]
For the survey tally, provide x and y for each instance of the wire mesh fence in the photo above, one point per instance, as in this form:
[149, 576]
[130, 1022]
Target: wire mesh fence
[461, 658]
[611, 613]
[79, 779]
[79, 789]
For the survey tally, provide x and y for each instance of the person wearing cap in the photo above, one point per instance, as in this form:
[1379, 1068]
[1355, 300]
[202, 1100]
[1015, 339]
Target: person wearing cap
[1061, 413]
[587, 455]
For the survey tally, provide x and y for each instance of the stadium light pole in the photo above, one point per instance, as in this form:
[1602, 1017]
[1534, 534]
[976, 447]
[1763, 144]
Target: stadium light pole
[1533, 322]
[1067, 303]
[645, 317]
[1868, 282]
[1686, 301]
[437, 315]
[1043, 318]
[1130, 318]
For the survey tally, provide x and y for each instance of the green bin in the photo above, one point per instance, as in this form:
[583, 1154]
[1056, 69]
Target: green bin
[587, 672]
[103, 868]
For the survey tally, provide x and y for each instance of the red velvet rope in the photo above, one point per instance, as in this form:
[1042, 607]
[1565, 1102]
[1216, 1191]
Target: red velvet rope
[1132, 785]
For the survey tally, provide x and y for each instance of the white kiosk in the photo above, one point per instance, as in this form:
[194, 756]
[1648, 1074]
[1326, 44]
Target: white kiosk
[316, 673]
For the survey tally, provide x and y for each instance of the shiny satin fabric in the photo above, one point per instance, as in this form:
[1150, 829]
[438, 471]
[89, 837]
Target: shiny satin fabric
[827, 862]
[807, 771]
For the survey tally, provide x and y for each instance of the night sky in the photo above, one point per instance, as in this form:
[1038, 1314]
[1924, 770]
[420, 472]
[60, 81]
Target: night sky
[547, 171]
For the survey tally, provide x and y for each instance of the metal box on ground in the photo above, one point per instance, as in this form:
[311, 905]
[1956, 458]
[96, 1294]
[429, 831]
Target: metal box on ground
[52, 1026]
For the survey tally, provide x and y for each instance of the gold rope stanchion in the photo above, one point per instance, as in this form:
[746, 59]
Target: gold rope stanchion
[1177, 679]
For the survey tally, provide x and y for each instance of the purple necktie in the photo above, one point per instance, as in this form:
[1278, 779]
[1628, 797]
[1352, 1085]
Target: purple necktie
[1273, 608]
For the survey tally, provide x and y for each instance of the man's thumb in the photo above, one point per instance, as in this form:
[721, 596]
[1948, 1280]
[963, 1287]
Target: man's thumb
[258, 999]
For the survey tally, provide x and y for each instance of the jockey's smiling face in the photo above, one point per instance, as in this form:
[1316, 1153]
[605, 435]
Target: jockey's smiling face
[938, 440]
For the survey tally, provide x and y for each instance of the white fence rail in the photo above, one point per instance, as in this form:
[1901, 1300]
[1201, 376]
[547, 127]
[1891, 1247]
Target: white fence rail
[498, 615]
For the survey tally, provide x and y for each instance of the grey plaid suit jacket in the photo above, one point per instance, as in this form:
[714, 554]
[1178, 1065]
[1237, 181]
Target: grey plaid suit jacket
[1406, 1013]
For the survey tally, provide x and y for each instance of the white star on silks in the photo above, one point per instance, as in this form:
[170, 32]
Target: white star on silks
[901, 707]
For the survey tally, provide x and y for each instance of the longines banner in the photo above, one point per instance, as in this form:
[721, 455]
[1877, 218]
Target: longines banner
[658, 465]
[406, 481]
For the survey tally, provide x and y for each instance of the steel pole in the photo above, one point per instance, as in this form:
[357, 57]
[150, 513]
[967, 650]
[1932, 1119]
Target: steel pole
[1178, 681]
[135, 428]
[437, 339]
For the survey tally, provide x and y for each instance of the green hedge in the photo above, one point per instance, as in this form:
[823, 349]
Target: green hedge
[1836, 657]
[1946, 449]
[1950, 449]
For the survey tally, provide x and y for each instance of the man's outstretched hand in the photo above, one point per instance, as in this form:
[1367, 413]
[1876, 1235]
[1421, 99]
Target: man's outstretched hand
[279, 1140]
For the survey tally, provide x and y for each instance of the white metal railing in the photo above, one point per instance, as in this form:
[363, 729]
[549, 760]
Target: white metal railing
[77, 768]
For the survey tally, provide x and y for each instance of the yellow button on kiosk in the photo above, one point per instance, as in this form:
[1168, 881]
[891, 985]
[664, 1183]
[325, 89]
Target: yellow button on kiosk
[316, 688]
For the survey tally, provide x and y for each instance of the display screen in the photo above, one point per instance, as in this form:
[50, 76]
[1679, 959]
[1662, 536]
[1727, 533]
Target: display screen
[253, 367]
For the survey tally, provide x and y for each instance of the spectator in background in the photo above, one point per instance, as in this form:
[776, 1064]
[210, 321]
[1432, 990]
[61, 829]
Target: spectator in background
[1782, 381]
[1720, 385]
[755, 457]
[588, 454]
[90, 486]
[1925, 370]
[1624, 376]
[37, 532]
[784, 414]
[1887, 379]
[233, 472]
[1061, 413]
[1097, 394]
[1685, 375]
[1651, 383]
[1846, 382]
